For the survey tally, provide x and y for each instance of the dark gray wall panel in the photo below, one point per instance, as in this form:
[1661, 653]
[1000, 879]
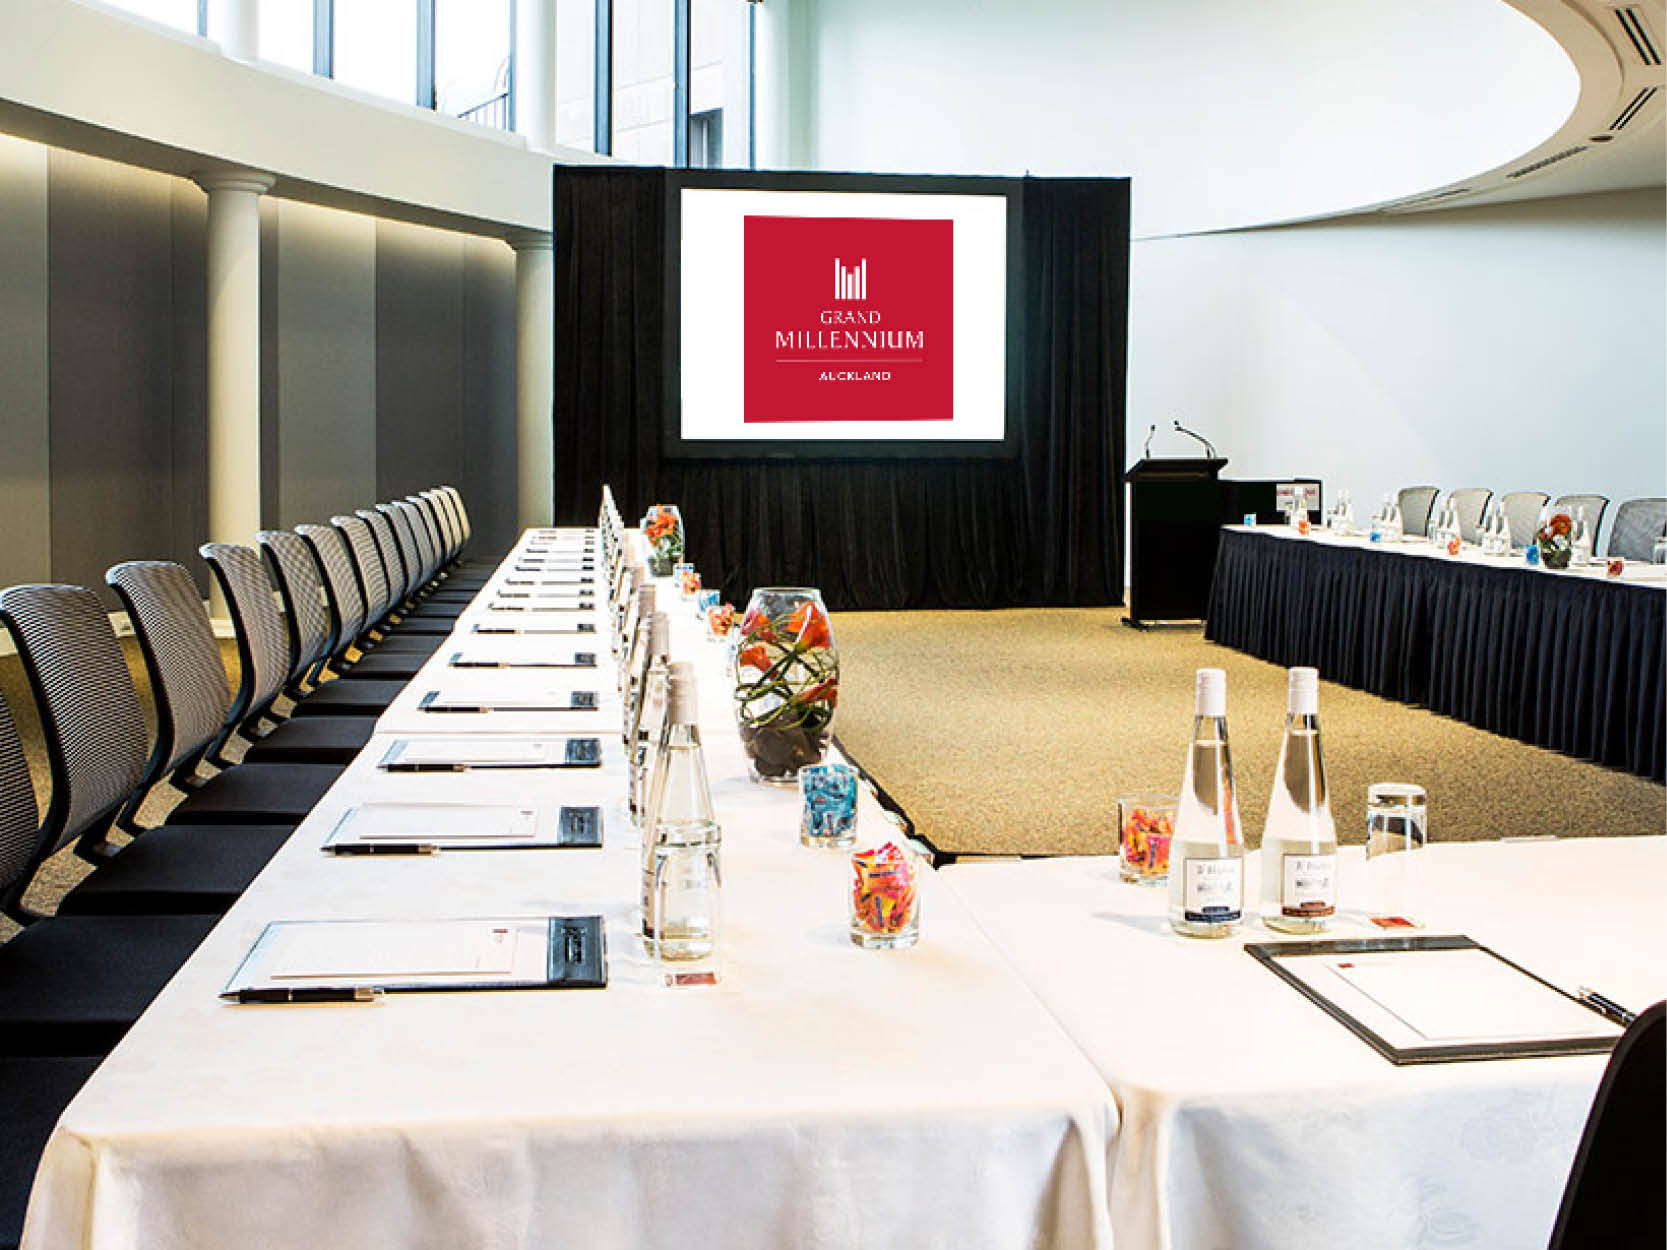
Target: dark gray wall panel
[110, 366]
[419, 358]
[190, 384]
[489, 393]
[25, 430]
[323, 362]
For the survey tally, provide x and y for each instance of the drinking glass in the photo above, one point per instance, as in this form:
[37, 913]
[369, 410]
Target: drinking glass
[1145, 823]
[1397, 824]
[884, 896]
[830, 807]
[1658, 553]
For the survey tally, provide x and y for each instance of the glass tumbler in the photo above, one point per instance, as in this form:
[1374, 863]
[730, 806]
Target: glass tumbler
[884, 897]
[830, 806]
[1145, 824]
[1397, 824]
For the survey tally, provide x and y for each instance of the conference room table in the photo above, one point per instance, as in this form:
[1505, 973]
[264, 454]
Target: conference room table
[1249, 1118]
[1571, 660]
[815, 1095]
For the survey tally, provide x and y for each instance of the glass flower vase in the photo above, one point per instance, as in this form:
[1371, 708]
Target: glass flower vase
[662, 532]
[786, 682]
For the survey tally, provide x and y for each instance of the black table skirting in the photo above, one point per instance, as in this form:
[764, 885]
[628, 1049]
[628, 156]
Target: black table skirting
[1568, 662]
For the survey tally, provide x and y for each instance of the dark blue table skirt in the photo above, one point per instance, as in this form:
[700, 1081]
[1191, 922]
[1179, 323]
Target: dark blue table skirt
[1572, 663]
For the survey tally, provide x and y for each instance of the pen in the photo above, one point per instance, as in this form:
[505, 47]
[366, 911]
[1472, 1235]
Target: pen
[397, 767]
[384, 848]
[311, 994]
[1607, 1006]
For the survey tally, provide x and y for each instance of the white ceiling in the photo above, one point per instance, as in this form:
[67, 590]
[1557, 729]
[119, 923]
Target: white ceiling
[1613, 139]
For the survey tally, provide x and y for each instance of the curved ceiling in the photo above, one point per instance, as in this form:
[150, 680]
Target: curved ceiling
[1613, 135]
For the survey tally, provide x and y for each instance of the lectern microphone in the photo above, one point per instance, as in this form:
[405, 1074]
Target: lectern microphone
[1209, 448]
[1150, 430]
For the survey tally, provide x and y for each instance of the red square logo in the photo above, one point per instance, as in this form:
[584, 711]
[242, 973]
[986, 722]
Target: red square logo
[849, 319]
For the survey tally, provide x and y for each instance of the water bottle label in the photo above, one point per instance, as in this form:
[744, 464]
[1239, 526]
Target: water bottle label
[1310, 886]
[1214, 891]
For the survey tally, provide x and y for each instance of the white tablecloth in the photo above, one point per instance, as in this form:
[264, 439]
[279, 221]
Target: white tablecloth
[819, 1096]
[1251, 1120]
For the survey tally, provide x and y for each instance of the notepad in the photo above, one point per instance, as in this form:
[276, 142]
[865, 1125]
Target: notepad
[536, 700]
[518, 952]
[437, 823]
[537, 627]
[467, 659]
[444, 754]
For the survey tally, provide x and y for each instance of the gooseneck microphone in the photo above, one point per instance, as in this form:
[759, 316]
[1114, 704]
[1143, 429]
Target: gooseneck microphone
[1209, 448]
[1150, 430]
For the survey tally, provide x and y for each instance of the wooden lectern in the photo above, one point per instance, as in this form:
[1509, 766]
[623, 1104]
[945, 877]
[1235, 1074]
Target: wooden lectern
[1175, 518]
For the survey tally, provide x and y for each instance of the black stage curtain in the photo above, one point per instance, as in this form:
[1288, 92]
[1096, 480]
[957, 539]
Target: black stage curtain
[1044, 528]
[1571, 663]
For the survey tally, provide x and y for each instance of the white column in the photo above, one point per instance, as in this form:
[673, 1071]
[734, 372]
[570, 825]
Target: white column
[535, 72]
[534, 377]
[235, 26]
[233, 352]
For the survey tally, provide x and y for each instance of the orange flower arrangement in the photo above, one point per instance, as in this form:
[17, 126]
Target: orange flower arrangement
[1554, 541]
[786, 686]
[662, 530]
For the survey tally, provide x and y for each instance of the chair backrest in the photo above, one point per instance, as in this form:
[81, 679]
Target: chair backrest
[440, 516]
[1638, 523]
[367, 564]
[1416, 502]
[1522, 514]
[341, 585]
[411, 523]
[1613, 1195]
[399, 567]
[182, 660]
[1471, 502]
[96, 742]
[409, 553]
[459, 511]
[428, 533]
[290, 564]
[262, 639]
[1595, 506]
[20, 830]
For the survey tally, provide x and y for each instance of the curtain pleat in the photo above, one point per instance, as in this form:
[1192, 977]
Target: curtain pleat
[1574, 664]
[1042, 528]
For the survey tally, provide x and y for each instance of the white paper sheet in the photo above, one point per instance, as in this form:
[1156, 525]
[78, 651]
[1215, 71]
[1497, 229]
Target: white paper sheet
[476, 751]
[392, 953]
[438, 823]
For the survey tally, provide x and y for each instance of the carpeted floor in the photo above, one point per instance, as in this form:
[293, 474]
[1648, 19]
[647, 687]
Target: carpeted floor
[1014, 732]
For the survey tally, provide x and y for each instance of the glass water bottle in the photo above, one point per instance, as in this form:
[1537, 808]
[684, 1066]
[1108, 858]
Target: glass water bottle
[682, 878]
[648, 717]
[1299, 842]
[1206, 854]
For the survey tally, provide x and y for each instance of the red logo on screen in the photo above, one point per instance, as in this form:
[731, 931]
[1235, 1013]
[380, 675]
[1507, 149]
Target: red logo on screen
[849, 319]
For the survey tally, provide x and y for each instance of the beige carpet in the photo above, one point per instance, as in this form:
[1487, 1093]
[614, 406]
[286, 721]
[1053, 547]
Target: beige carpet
[1015, 731]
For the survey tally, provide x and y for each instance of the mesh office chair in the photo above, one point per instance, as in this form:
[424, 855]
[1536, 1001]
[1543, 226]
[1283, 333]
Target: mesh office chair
[346, 601]
[1638, 523]
[457, 572]
[427, 533]
[1522, 514]
[1595, 506]
[72, 985]
[419, 564]
[1613, 1195]
[262, 647]
[1471, 502]
[373, 585]
[195, 713]
[1415, 503]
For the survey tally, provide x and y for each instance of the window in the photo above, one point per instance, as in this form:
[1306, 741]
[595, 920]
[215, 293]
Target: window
[576, 73]
[286, 33]
[706, 140]
[471, 60]
[180, 14]
[376, 47]
[642, 87]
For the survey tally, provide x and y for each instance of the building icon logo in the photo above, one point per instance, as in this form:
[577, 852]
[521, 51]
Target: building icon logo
[851, 283]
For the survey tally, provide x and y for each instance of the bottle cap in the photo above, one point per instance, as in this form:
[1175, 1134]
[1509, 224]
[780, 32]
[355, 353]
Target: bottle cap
[1211, 692]
[681, 693]
[1302, 697]
[659, 636]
